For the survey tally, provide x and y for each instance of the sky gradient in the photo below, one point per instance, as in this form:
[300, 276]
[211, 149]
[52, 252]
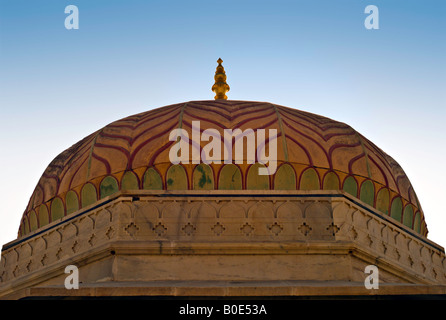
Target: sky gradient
[58, 86]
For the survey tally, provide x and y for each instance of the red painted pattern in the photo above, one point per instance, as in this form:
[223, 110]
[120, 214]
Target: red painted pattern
[142, 141]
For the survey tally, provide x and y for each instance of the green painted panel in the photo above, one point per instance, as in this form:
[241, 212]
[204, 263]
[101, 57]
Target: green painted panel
[72, 202]
[417, 222]
[254, 180]
[203, 177]
[152, 180]
[285, 178]
[129, 181]
[309, 180]
[33, 220]
[176, 178]
[57, 209]
[88, 195]
[331, 181]
[351, 186]
[230, 178]
[367, 192]
[108, 186]
[44, 217]
[396, 210]
[408, 216]
[22, 228]
[383, 201]
[26, 226]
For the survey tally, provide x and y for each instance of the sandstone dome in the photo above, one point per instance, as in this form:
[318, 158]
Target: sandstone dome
[313, 153]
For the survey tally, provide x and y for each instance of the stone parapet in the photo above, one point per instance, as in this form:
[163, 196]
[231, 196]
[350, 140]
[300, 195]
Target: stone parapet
[145, 236]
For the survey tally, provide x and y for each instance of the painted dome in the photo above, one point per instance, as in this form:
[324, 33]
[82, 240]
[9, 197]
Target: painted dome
[313, 153]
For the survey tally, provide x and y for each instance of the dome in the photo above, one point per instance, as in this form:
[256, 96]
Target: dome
[313, 153]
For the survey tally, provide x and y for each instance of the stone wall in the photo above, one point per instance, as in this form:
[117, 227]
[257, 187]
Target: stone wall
[231, 236]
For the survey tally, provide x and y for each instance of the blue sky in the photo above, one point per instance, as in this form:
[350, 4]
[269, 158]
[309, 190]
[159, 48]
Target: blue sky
[58, 85]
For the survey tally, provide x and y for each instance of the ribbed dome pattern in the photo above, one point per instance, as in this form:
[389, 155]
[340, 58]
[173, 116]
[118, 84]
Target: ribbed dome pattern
[313, 152]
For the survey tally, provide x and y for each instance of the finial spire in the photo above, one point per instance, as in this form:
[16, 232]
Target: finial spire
[220, 86]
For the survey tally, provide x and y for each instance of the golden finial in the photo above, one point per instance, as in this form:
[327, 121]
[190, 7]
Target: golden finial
[220, 86]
